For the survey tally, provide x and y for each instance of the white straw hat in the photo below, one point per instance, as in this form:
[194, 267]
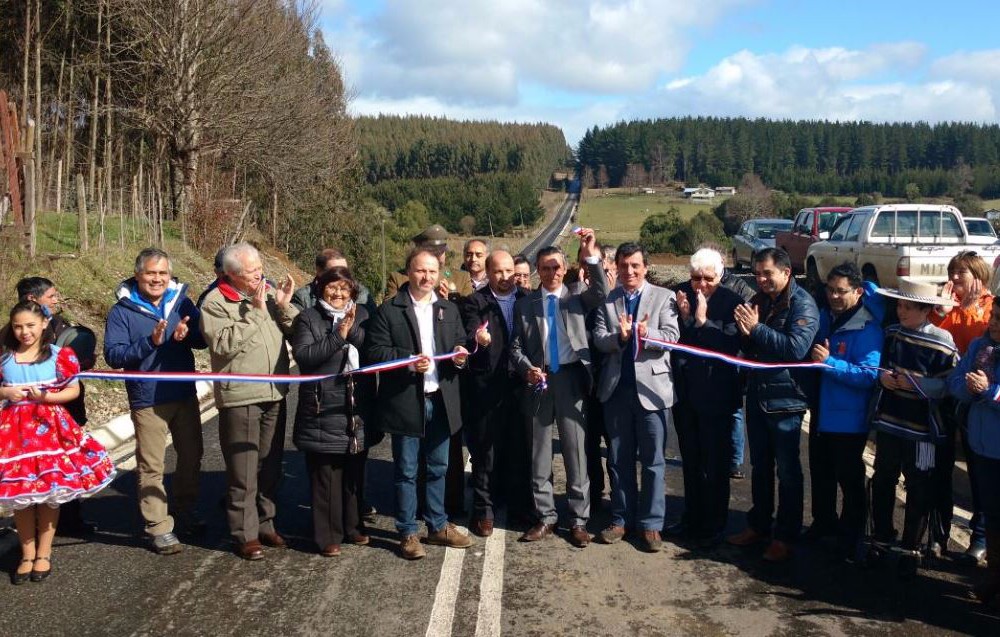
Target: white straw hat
[918, 292]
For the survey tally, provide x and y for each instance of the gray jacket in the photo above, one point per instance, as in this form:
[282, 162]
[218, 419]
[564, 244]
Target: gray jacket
[653, 376]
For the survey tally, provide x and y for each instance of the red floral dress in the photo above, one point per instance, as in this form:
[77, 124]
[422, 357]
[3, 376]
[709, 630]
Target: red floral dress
[45, 458]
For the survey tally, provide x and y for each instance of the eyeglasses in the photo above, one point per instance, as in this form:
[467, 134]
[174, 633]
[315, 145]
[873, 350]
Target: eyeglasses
[698, 279]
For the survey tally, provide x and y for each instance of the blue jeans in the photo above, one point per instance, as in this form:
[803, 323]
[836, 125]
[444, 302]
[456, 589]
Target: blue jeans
[774, 442]
[405, 460]
[633, 429]
[739, 439]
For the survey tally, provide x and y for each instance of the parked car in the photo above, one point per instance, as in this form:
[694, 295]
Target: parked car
[754, 235]
[890, 241]
[810, 225]
[980, 231]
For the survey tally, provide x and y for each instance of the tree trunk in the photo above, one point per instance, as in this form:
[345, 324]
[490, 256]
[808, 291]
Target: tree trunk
[81, 206]
[39, 173]
[95, 119]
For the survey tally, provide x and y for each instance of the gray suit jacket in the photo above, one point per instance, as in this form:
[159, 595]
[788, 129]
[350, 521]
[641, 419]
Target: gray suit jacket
[529, 317]
[652, 368]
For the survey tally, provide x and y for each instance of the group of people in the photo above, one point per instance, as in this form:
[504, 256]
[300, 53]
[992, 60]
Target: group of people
[475, 356]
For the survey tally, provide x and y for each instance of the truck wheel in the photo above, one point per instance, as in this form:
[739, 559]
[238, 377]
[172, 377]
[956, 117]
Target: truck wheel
[736, 262]
[868, 273]
[812, 276]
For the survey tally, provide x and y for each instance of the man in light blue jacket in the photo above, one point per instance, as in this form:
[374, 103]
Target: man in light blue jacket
[849, 340]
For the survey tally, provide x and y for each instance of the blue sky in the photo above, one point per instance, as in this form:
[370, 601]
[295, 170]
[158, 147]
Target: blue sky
[577, 63]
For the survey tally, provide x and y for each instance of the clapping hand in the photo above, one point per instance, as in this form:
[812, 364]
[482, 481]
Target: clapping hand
[159, 334]
[283, 295]
[182, 329]
[259, 299]
[701, 312]
[625, 326]
[819, 352]
[747, 317]
[444, 287]
[346, 323]
[641, 327]
[977, 382]
[683, 306]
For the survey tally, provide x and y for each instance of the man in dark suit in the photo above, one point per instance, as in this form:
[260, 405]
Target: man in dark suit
[419, 404]
[551, 353]
[497, 441]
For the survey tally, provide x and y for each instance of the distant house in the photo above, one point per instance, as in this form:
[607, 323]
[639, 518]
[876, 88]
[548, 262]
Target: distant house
[725, 190]
[992, 214]
[699, 193]
[648, 191]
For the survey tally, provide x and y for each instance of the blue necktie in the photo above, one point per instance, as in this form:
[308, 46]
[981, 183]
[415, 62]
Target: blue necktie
[553, 334]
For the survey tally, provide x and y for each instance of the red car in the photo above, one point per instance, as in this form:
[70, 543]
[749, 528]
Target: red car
[811, 225]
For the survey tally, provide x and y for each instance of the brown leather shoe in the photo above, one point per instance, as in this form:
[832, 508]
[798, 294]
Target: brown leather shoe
[579, 537]
[613, 534]
[251, 550]
[538, 532]
[747, 537]
[331, 550]
[449, 536]
[411, 548]
[482, 527]
[650, 541]
[778, 551]
[358, 538]
[273, 540]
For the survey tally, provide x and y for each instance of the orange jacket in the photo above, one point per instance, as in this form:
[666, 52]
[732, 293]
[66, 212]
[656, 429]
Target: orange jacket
[966, 325]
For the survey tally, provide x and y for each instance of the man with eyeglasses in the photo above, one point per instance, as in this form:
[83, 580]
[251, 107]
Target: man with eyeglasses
[708, 392]
[849, 340]
[522, 273]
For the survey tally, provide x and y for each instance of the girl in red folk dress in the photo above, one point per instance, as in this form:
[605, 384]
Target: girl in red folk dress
[45, 458]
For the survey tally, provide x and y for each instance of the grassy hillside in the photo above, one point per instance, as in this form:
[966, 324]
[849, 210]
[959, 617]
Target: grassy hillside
[617, 215]
[87, 281]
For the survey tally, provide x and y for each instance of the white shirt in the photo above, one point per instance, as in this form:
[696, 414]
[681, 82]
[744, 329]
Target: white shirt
[425, 328]
[567, 354]
[478, 284]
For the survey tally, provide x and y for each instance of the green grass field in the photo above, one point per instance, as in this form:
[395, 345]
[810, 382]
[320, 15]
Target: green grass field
[618, 217]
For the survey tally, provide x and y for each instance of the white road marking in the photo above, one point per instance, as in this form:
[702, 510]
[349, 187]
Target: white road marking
[446, 593]
[491, 585]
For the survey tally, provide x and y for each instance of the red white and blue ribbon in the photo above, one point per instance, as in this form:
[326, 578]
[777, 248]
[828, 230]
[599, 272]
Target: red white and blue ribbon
[727, 358]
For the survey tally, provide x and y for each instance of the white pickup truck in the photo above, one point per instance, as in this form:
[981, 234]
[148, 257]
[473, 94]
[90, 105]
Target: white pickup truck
[890, 241]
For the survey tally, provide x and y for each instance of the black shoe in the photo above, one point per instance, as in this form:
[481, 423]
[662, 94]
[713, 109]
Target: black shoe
[678, 530]
[909, 562]
[817, 531]
[368, 515]
[936, 550]
[20, 578]
[736, 474]
[41, 576]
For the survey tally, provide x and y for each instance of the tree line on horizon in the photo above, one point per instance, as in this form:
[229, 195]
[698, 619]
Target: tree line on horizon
[838, 158]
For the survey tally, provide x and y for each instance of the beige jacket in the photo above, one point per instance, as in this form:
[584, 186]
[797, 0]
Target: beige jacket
[245, 340]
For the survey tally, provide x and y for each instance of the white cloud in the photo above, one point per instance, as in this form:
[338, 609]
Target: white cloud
[483, 51]
[831, 83]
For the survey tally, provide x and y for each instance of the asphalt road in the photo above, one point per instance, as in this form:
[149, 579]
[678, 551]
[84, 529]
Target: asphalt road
[548, 236]
[110, 584]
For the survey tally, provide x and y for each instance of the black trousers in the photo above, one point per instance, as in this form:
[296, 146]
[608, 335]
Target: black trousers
[706, 444]
[942, 488]
[837, 459]
[892, 456]
[497, 439]
[596, 432]
[335, 482]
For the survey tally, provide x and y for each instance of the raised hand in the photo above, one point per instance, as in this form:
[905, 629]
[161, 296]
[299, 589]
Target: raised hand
[588, 243]
[946, 292]
[819, 352]
[159, 334]
[182, 329]
[747, 317]
[283, 295]
[972, 294]
[444, 287]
